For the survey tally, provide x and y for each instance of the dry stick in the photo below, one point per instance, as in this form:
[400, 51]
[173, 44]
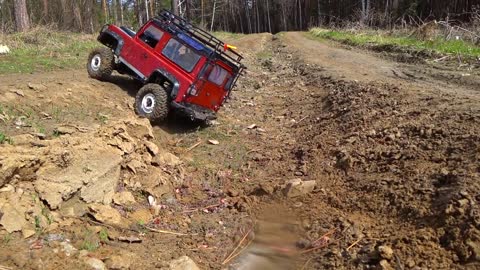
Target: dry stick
[203, 208]
[239, 244]
[354, 243]
[193, 146]
[165, 232]
[238, 253]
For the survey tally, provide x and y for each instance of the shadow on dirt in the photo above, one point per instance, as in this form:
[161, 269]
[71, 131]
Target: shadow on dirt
[179, 124]
[127, 84]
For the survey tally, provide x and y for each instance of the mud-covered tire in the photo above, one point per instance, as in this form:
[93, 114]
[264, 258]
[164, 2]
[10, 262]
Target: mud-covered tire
[100, 63]
[152, 102]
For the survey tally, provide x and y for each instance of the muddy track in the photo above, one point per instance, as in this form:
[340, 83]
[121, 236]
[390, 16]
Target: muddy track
[394, 156]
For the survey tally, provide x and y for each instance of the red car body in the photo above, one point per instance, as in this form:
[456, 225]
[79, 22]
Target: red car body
[199, 84]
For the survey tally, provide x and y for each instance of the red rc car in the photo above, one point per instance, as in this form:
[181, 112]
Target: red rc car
[182, 67]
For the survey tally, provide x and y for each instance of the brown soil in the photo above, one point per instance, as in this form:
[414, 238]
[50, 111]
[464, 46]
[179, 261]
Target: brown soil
[394, 150]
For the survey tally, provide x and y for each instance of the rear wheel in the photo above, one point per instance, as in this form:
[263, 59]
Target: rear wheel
[152, 102]
[100, 63]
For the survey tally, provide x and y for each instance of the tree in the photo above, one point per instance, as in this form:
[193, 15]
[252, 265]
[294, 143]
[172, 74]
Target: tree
[22, 22]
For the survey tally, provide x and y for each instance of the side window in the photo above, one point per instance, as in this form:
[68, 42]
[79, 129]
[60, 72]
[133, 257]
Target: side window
[151, 36]
[218, 75]
[181, 55]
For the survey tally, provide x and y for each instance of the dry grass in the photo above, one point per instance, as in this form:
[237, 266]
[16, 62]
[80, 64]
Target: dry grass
[43, 49]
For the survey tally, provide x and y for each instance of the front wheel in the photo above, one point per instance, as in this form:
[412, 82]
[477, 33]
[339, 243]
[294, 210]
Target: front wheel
[100, 63]
[151, 102]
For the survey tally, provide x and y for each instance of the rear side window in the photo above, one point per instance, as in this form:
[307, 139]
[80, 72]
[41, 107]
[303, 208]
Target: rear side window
[181, 55]
[218, 75]
[151, 36]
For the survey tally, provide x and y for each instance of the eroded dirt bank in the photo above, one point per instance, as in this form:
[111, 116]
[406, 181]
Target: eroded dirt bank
[393, 160]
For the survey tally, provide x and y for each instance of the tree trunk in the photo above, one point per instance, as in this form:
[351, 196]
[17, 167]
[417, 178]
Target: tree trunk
[213, 14]
[22, 22]
[175, 7]
[45, 12]
[104, 7]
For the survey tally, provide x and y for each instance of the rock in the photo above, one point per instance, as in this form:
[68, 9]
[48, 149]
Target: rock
[36, 87]
[297, 187]
[19, 92]
[4, 49]
[152, 148]
[12, 220]
[95, 263]
[23, 139]
[252, 126]
[475, 248]
[26, 233]
[384, 265]
[120, 261]
[183, 263]
[233, 193]
[385, 252]
[141, 216]
[214, 142]
[95, 172]
[124, 198]
[166, 158]
[21, 162]
[106, 214]
[65, 130]
[68, 249]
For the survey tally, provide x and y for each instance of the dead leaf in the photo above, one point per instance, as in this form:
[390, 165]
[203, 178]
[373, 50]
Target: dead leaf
[214, 142]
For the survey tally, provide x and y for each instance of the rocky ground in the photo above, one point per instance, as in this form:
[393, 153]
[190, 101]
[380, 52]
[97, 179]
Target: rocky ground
[326, 157]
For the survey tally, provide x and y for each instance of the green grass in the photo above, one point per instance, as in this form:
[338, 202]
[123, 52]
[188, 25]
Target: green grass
[438, 45]
[44, 50]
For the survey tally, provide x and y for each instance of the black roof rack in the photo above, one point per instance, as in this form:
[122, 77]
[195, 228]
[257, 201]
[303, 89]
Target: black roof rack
[177, 24]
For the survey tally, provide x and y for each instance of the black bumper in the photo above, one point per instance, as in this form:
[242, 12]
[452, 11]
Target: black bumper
[194, 111]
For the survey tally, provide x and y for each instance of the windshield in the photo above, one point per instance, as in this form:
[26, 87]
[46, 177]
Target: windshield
[181, 55]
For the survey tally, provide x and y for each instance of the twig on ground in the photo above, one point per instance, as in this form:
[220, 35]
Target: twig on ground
[193, 146]
[239, 252]
[229, 257]
[320, 246]
[354, 244]
[440, 59]
[165, 232]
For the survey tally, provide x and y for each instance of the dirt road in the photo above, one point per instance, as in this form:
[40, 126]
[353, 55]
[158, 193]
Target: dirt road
[393, 150]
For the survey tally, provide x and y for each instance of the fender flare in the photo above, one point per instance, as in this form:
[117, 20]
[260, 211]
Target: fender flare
[108, 33]
[171, 78]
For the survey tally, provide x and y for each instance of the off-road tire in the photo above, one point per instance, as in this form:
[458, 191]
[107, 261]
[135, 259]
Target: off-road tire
[160, 108]
[100, 63]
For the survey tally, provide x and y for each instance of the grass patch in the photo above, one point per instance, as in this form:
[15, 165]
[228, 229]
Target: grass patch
[42, 49]
[227, 35]
[438, 45]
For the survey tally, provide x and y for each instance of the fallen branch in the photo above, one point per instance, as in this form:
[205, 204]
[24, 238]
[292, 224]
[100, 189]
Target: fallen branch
[239, 252]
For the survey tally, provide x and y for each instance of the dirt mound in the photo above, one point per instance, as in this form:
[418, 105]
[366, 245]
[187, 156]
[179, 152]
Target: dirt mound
[91, 165]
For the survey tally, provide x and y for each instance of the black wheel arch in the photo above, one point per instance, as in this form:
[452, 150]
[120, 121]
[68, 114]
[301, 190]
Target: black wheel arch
[161, 76]
[111, 40]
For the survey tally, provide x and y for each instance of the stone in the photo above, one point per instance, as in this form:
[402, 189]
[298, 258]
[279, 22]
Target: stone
[214, 142]
[65, 130]
[152, 148]
[384, 265]
[166, 158]
[68, 249]
[4, 49]
[95, 263]
[94, 172]
[141, 216]
[120, 261]
[123, 198]
[12, 220]
[26, 233]
[183, 263]
[385, 252]
[106, 214]
[297, 187]
[475, 248]
[36, 87]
